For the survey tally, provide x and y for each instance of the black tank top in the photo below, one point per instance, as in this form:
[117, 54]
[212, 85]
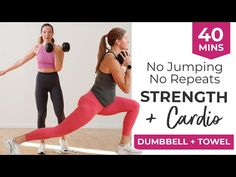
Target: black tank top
[104, 88]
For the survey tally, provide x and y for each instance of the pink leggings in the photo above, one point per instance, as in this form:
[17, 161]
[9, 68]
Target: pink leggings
[88, 107]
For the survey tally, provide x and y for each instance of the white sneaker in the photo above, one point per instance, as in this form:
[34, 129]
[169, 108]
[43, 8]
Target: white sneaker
[12, 146]
[41, 149]
[127, 149]
[64, 145]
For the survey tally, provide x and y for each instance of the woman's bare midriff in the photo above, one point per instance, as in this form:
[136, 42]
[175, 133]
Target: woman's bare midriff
[47, 70]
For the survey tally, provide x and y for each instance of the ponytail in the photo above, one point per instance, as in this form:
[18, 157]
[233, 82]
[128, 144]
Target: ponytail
[112, 36]
[101, 52]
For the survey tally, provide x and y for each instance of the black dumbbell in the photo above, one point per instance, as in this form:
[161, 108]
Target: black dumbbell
[120, 58]
[49, 47]
[65, 47]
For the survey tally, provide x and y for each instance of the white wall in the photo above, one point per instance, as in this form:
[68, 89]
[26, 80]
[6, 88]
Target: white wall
[17, 100]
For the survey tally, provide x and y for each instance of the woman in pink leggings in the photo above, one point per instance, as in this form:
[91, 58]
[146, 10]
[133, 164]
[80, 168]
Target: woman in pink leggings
[100, 99]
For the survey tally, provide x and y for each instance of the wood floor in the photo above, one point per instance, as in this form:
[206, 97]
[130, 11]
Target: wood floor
[87, 141]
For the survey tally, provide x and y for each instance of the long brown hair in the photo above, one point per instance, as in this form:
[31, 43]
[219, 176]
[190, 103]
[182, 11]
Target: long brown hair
[40, 41]
[112, 36]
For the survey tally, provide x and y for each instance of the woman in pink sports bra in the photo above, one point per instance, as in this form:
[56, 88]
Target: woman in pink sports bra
[47, 80]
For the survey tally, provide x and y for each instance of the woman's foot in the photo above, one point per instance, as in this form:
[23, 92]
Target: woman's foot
[41, 149]
[12, 146]
[64, 145]
[127, 149]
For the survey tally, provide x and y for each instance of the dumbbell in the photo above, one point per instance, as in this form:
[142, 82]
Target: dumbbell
[120, 58]
[65, 47]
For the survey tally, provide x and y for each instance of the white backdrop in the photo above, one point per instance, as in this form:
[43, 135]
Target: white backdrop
[172, 42]
[17, 88]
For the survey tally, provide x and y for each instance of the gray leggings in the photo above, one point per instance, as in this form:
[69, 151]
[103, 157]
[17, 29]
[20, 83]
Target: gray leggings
[48, 82]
